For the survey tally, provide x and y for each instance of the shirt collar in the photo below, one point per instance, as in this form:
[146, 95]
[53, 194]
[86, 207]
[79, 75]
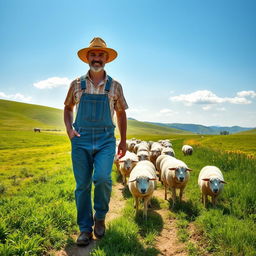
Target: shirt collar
[87, 76]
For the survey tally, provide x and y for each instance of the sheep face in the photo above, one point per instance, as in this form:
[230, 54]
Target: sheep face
[169, 153]
[131, 146]
[143, 157]
[215, 184]
[189, 151]
[155, 153]
[180, 173]
[129, 164]
[143, 184]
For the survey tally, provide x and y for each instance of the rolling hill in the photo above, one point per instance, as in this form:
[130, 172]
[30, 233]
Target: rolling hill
[23, 116]
[249, 132]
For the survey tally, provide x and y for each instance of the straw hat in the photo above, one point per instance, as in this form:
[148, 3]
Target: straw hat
[97, 44]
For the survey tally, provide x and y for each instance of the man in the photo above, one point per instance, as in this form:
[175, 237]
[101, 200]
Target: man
[96, 96]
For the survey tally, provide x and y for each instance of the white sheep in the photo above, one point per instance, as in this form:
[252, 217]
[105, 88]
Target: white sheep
[126, 164]
[143, 155]
[187, 150]
[166, 143]
[130, 144]
[159, 161]
[142, 183]
[210, 181]
[142, 146]
[155, 151]
[168, 151]
[174, 175]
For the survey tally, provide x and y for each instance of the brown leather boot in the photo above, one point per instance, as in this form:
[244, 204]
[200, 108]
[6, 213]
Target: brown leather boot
[99, 228]
[84, 238]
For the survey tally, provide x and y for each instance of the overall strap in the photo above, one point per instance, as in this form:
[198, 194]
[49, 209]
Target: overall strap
[83, 82]
[108, 84]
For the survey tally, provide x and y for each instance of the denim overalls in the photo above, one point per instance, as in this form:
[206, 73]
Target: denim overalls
[93, 150]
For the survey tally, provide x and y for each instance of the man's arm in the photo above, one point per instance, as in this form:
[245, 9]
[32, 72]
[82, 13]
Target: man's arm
[68, 119]
[122, 125]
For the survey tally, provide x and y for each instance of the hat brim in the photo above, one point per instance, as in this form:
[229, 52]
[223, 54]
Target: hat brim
[82, 54]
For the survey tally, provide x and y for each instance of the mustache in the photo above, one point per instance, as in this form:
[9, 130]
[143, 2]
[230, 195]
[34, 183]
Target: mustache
[95, 61]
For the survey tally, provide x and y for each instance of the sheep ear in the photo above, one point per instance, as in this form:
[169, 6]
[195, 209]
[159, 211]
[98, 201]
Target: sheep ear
[152, 179]
[190, 170]
[206, 179]
[224, 182]
[132, 180]
[172, 169]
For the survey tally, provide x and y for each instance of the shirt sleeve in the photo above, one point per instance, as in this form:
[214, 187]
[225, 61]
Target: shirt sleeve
[70, 101]
[120, 103]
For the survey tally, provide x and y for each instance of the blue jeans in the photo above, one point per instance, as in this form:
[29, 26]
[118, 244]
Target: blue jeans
[92, 157]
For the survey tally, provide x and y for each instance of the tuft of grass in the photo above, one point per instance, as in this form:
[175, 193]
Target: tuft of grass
[2, 189]
[124, 235]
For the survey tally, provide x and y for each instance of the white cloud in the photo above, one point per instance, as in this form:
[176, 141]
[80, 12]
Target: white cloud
[207, 107]
[221, 109]
[207, 97]
[17, 97]
[53, 82]
[251, 94]
[167, 112]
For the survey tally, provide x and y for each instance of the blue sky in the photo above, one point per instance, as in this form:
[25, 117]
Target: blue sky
[183, 61]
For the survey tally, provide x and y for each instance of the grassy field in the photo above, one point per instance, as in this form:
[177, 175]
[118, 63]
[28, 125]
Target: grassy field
[243, 143]
[38, 211]
[37, 208]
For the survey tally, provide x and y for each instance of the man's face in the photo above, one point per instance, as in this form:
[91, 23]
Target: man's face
[97, 60]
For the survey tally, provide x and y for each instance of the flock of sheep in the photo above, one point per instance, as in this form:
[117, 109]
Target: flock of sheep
[146, 162]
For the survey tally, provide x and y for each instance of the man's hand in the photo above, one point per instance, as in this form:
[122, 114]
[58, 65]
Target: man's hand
[121, 149]
[72, 133]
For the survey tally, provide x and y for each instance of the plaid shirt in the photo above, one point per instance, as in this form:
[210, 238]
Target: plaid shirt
[117, 101]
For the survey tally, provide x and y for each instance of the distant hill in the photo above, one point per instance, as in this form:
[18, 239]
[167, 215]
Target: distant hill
[248, 132]
[22, 116]
[143, 129]
[201, 129]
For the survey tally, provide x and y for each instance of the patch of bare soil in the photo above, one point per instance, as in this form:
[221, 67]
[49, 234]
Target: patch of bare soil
[196, 237]
[167, 242]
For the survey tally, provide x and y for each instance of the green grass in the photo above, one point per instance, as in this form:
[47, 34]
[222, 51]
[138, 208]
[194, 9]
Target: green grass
[252, 131]
[131, 234]
[38, 213]
[36, 193]
[237, 143]
[229, 229]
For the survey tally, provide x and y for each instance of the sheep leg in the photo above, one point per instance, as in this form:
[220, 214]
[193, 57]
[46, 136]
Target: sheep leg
[181, 193]
[136, 204]
[124, 180]
[165, 191]
[146, 201]
[160, 176]
[205, 200]
[173, 196]
[117, 167]
[214, 200]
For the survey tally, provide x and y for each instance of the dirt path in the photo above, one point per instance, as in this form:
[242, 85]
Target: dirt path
[167, 242]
